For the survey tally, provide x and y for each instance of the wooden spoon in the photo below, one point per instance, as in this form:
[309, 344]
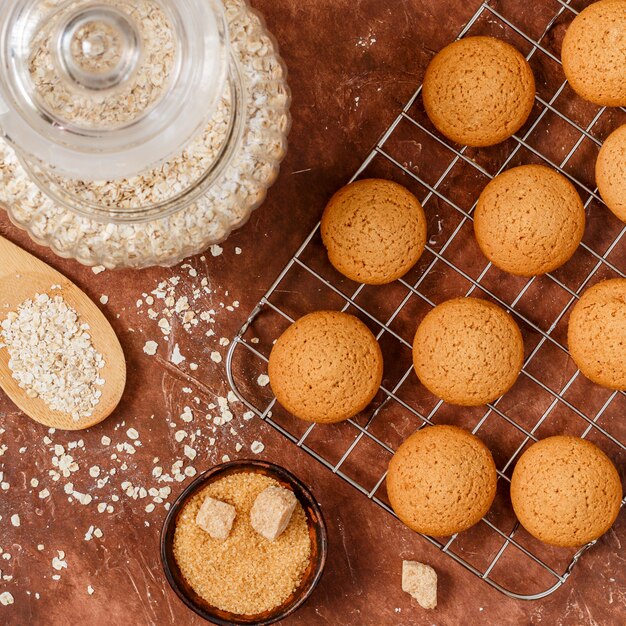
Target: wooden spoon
[21, 277]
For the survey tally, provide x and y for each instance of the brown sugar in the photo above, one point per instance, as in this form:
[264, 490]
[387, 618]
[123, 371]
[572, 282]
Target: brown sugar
[245, 574]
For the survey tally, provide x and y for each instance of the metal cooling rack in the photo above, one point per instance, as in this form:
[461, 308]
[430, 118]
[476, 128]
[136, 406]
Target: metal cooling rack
[502, 554]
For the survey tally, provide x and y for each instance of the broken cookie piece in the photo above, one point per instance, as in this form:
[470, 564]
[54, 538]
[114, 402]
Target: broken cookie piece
[420, 581]
[216, 518]
[271, 511]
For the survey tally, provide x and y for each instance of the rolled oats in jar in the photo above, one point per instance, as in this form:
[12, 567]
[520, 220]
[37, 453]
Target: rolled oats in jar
[139, 132]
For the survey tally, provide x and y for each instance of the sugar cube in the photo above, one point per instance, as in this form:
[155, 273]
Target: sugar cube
[216, 518]
[272, 511]
[420, 581]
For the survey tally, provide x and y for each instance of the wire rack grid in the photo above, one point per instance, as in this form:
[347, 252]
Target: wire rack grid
[550, 397]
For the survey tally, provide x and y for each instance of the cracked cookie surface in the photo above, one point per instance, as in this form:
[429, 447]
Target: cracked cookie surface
[529, 220]
[565, 491]
[594, 53]
[478, 91]
[326, 367]
[611, 172]
[374, 231]
[468, 351]
[441, 480]
[596, 333]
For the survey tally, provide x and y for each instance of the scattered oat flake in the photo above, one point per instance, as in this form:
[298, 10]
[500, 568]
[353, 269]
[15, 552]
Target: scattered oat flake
[104, 299]
[151, 348]
[90, 590]
[216, 250]
[257, 447]
[216, 357]
[263, 380]
[58, 562]
[98, 269]
[177, 358]
[6, 598]
[132, 434]
[15, 520]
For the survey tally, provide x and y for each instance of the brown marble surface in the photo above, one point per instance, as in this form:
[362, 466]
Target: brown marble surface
[353, 64]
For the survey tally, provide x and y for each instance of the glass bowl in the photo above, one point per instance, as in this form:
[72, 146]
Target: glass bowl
[317, 533]
[179, 207]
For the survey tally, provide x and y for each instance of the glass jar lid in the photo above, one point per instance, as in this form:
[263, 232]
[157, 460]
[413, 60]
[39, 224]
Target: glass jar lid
[99, 90]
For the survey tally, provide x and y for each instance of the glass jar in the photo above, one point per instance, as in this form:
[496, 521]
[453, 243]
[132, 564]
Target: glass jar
[137, 132]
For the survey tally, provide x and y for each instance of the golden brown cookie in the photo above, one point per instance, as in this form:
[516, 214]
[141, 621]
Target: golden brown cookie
[374, 231]
[596, 334]
[594, 53]
[611, 172]
[441, 481]
[565, 491]
[468, 351]
[478, 91]
[326, 367]
[529, 220]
